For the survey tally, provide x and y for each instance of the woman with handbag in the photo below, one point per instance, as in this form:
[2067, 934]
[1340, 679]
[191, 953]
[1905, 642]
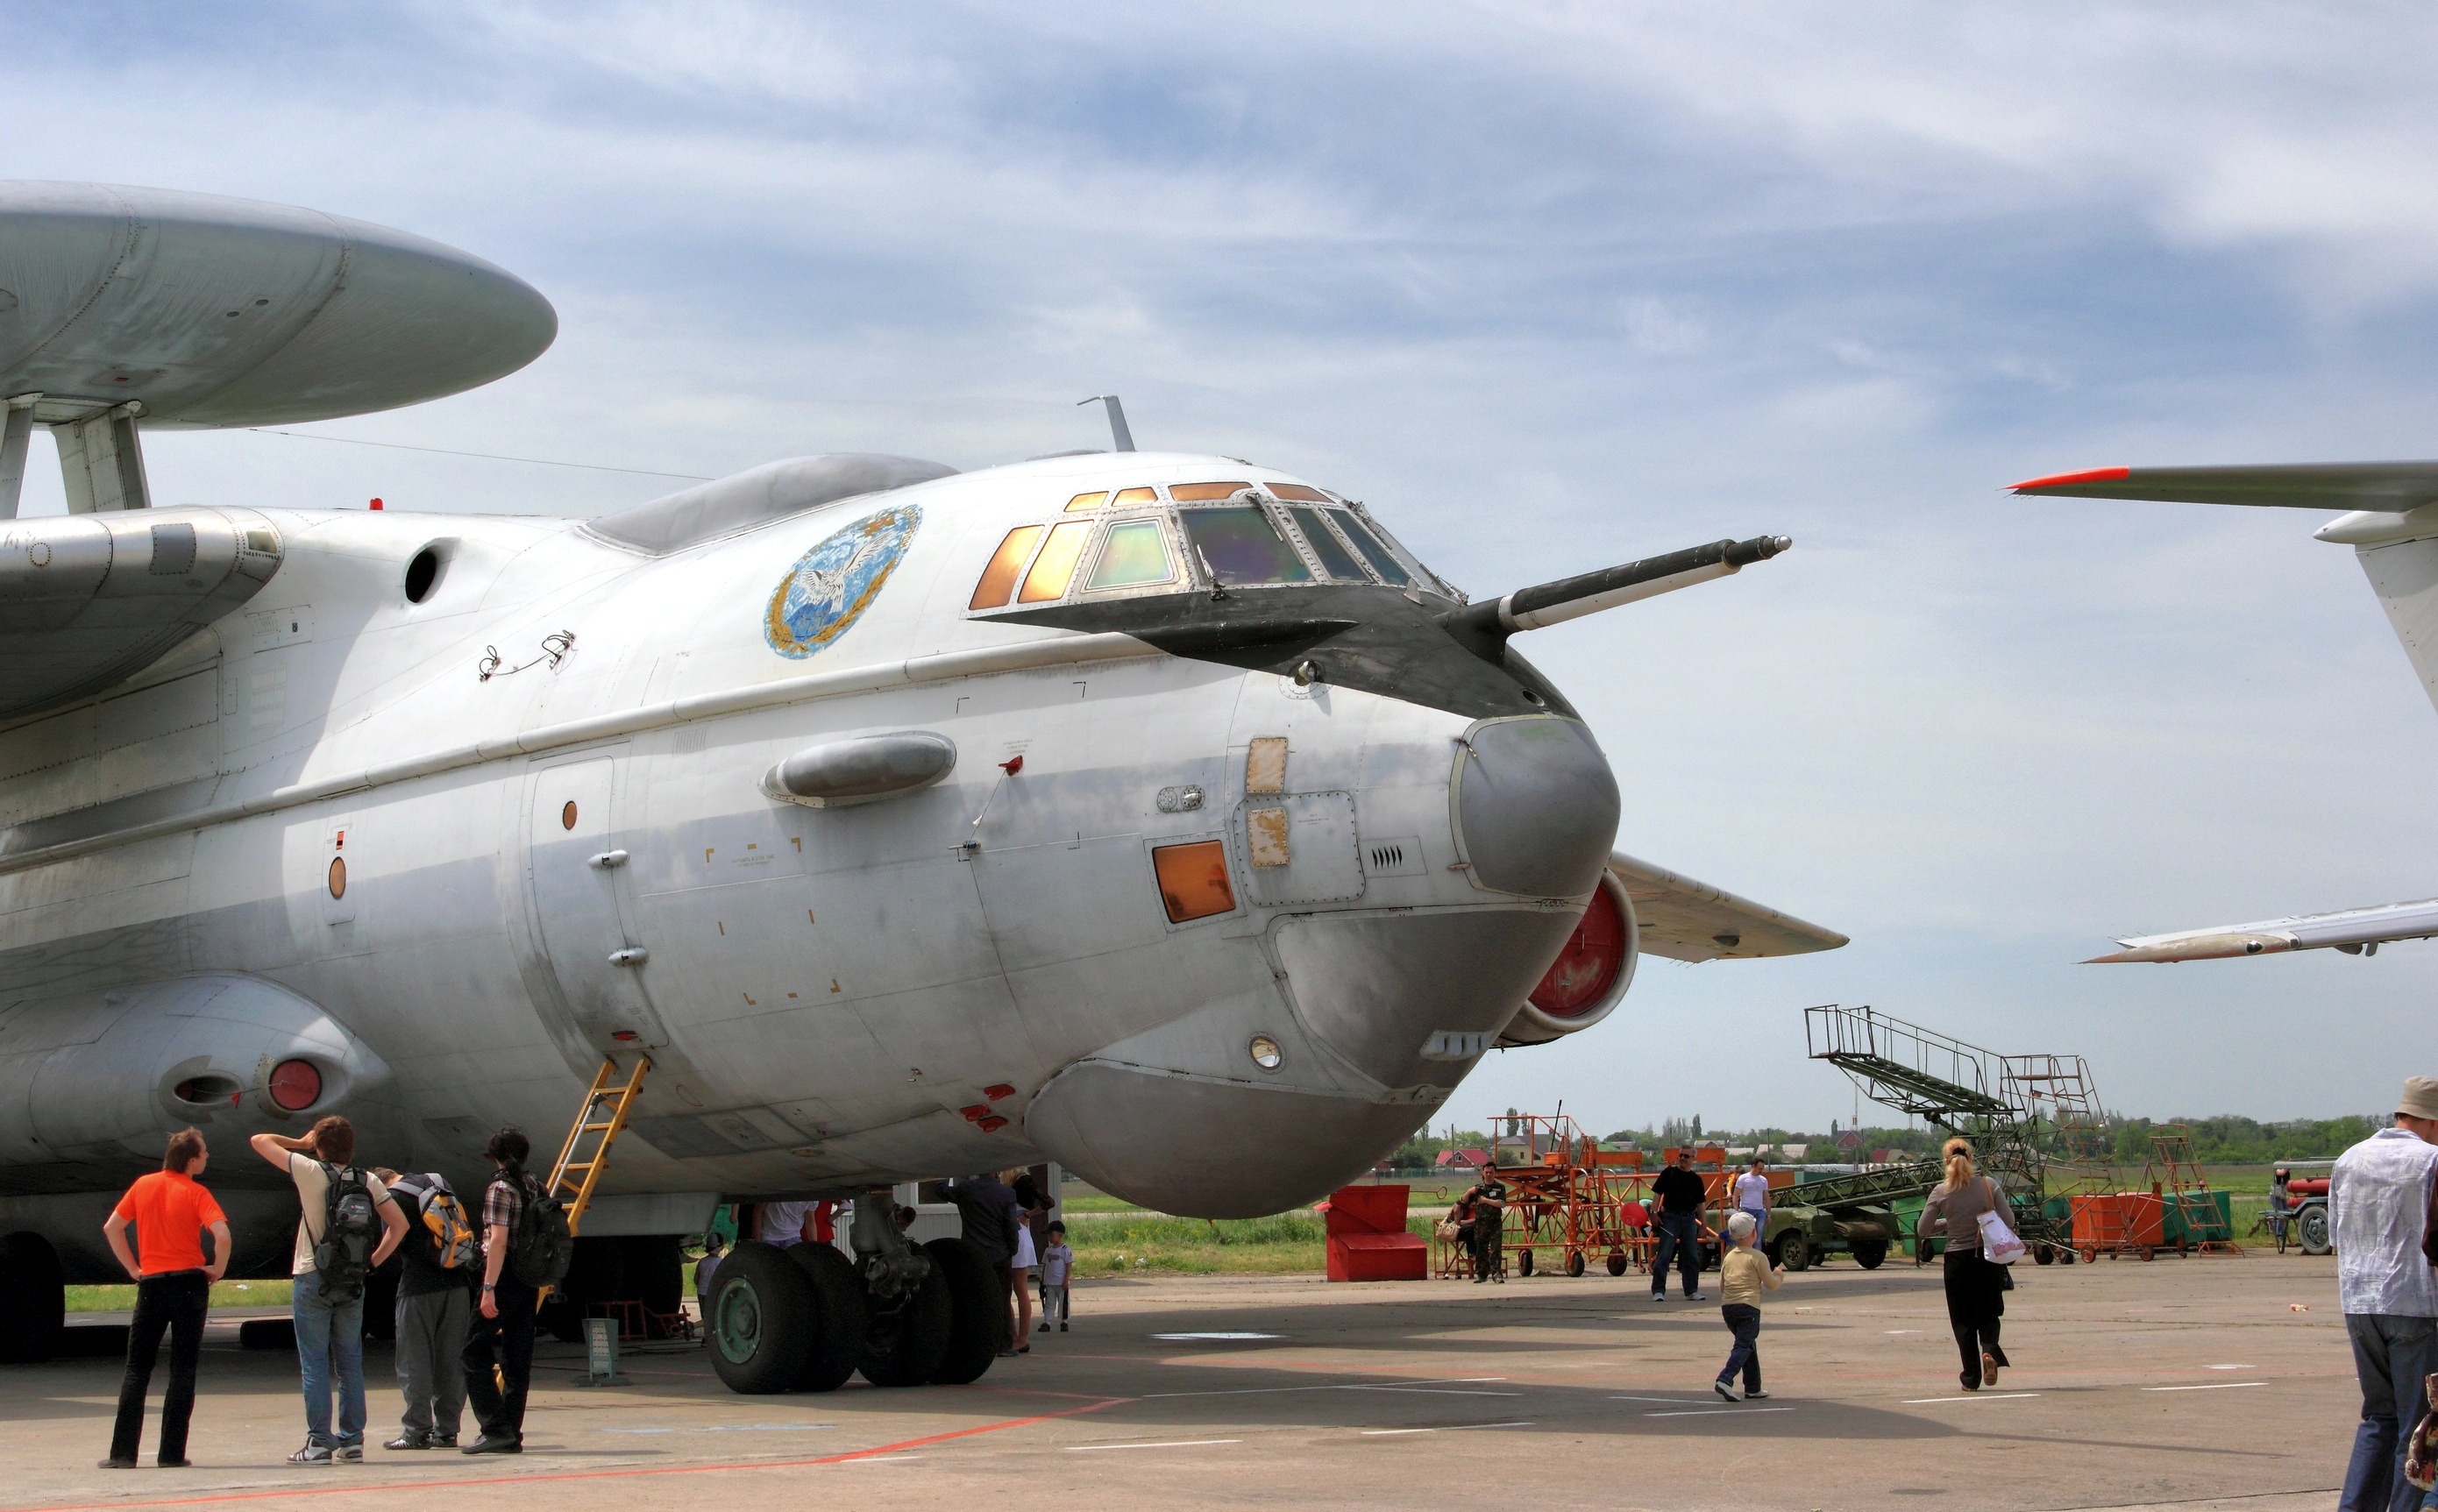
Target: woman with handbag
[1976, 1286]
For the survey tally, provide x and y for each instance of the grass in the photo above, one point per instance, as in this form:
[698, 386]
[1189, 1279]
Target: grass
[224, 1295]
[1285, 1244]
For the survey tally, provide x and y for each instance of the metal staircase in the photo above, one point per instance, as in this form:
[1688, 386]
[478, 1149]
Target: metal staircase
[587, 1151]
[2020, 1112]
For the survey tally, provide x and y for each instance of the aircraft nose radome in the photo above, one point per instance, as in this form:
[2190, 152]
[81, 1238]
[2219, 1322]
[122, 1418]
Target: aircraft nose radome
[1537, 806]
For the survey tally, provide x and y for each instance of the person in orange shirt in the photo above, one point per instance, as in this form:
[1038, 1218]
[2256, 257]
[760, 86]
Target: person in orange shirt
[173, 1289]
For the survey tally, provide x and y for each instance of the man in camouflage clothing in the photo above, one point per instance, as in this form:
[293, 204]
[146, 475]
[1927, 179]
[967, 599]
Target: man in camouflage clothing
[1489, 1201]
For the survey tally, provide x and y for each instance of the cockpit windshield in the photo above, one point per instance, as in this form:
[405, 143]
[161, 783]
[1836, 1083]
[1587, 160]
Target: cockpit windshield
[1226, 535]
[1242, 544]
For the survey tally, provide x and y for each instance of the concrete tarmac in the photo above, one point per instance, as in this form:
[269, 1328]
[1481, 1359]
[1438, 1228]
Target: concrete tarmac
[2190, 1384]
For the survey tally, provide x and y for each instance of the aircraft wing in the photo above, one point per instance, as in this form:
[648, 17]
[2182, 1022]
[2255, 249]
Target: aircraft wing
[2355, 931]
[2383, 486]
[1684, 919]
[88, 600]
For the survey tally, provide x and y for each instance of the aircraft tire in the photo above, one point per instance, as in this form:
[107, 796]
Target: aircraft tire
[1870, 1253]
[33, 1299]
[973, 1342]
[761, 1322]
[838, 1308]
[909, 1350]
[596, 1273]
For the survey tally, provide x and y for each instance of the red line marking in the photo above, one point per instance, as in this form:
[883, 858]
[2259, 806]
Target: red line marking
[595, 1475]
[2064, 479]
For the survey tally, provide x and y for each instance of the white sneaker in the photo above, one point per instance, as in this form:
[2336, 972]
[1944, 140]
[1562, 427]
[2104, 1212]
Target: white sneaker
[1699, 1296]
[1755, 1395]
[1726, 1393]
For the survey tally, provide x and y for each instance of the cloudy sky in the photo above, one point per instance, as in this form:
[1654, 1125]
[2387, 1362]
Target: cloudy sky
[1552, 286]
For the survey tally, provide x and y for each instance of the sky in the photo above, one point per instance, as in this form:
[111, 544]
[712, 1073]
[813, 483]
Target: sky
[1552, 286]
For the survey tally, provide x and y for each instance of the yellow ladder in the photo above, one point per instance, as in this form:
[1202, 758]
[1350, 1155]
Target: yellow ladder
[603, 1118]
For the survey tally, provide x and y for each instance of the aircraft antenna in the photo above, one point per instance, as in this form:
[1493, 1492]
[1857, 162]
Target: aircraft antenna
[1124, 438]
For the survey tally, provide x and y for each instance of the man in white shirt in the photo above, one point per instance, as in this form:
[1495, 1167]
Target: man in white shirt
[2378, 1206]
[784, 1223]
[329, 1313]
[1752, 1196]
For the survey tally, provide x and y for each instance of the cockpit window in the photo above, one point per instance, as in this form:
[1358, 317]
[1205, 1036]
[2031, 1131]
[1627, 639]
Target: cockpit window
[1185, 492]
[1134, 552]
[1242, 544]
[1383, 560]
[1056, 566]
[1300, 493]
[1135, 496]
[1325, 545]
[1084, 501]
[999, 579]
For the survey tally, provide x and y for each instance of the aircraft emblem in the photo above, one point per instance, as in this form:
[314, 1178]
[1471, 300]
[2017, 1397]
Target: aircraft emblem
[831, 586]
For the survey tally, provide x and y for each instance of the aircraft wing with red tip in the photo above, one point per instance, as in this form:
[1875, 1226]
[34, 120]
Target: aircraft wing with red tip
[2387, 486]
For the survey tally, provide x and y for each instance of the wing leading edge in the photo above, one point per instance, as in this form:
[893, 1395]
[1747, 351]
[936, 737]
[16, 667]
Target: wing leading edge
[2355, 931]
[1684, 919]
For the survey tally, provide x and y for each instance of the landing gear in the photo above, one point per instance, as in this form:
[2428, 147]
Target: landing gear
[807, 1317]
[33, 1299]
[974, 1299]
[909, 1316]
[839, 1320]
[761, 1320]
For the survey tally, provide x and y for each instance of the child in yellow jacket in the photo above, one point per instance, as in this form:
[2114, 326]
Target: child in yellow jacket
[1743, 1275]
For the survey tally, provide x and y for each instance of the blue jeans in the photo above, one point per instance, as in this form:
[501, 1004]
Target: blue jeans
[330, 1334]
[1743, 1321]
[2392, 1354]
[1679, 1238]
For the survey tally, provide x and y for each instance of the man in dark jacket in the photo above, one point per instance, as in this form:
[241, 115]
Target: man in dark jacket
[991, 1212]
[435, 1303]
[1680, 1194]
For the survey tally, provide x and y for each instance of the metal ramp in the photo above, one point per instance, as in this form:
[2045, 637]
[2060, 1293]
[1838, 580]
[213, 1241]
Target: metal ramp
[587, 1151]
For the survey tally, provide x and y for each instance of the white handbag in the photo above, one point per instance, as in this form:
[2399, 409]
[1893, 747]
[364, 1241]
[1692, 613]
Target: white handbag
[1999, 1243]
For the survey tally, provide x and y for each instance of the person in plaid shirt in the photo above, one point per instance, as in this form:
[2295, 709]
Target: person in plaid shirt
[503, 1334]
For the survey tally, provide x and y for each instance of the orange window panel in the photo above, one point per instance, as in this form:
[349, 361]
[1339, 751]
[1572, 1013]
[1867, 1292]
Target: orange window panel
[1083, 501]
[1135, 496]
[1301, 492]
[1193, 880]
[1056, 566]
[1183, 492]
[999, 579]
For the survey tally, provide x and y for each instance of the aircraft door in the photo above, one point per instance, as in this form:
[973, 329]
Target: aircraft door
[580, 908]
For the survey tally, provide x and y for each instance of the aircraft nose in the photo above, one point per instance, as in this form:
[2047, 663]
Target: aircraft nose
[1536, 807]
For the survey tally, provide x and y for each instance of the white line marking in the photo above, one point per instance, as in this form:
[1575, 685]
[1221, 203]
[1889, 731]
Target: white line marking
[2235, 1368]
[1199, 1337]
[879, 1459]
[1448, 1428]
[2215, 1385]
[1720, 1412]
[1671, 1401]
[1893, 1331]
[1174, 1443]
[1434, 1391]
[1983, 1395]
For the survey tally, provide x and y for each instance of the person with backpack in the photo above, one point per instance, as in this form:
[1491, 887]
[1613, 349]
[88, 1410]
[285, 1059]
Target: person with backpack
[435, 1297]
[347, 1226]
[527, 1246]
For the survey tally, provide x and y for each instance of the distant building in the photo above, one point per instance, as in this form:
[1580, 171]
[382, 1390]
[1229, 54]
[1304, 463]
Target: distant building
[1450, 1159]
[1795, 1151]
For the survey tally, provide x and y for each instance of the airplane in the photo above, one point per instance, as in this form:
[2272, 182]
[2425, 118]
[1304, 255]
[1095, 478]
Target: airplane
[2390, 520]
[1156, 813]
